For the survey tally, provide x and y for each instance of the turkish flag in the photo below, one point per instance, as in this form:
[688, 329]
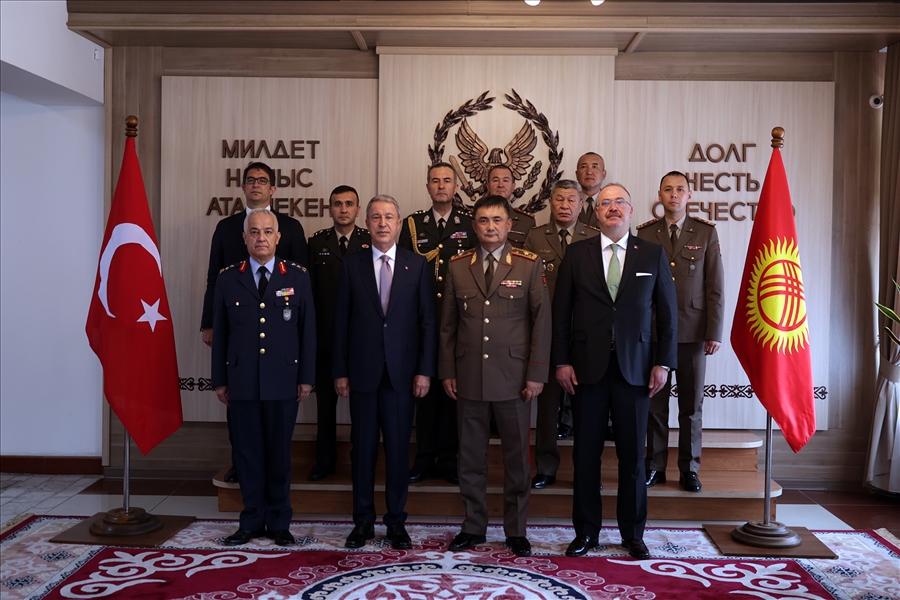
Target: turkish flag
[770, 333]
[129, 325]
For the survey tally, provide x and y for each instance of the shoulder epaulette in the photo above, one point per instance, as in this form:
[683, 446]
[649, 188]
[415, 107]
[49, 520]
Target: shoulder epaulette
[648, 223]
[586, 226]
[465, 210]
[547, 224]
[465, 254]
[704, 221]
[521, 211]
[361, 230]
[295, 265]
[322, 231]
[241, 264]
[524, 253]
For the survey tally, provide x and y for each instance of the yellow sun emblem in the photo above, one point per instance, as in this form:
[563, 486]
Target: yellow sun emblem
[776, 304]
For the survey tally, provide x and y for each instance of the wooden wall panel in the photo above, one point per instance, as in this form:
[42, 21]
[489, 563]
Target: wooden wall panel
[270, 62]
[725, 66]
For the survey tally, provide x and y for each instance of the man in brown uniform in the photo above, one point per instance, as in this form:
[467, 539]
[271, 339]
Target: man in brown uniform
[493, 359]
[692, 249]
[550, 242]
[590, 172]
[501, 183]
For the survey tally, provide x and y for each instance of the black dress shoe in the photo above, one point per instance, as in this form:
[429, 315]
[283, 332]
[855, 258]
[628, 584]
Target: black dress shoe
[418, 473]
[636, 548]
[581, 544]
[320, 472]
[464, 541]
[231, 475]
[654, 477]
[563, 431]
[398, 537]
[361, 532]
[539, 481]
[452, 477]
[242, 536]
[281, 537]
[519, 545]
[690, 482]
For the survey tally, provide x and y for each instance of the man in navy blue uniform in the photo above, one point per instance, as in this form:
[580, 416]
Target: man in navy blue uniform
[228, 248]
[263, 365]
[385, 353]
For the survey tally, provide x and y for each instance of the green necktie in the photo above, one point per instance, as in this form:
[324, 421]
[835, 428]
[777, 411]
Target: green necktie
[614, 275]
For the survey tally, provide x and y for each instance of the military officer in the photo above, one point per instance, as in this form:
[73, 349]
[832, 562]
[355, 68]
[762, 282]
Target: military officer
[327, 249]
[550, 243]
[494, 359]
[263, 365]
[501, 183]
[692, 249]
[438, 234]
[590, 172]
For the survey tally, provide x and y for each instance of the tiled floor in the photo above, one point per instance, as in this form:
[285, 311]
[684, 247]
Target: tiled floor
[76, 495]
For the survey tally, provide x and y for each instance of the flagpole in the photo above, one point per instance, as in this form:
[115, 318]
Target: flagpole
[126, 475]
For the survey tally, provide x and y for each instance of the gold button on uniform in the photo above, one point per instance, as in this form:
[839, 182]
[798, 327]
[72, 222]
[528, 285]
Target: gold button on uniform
[440, 278]
[262, 304]
[262, 350]
[439, 295]
[671, 264]
[237, 303]
[487, 320]
[440, 245]
[487, 302]
[262, 334]
[487, 339]
[262, 319]
[485, 356]
[440, 262]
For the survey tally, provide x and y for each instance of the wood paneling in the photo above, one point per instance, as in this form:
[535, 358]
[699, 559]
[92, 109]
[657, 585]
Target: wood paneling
[273, 62]
[725, 66]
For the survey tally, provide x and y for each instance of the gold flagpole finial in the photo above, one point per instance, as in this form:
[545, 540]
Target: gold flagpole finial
[131, 124]
[778, 137]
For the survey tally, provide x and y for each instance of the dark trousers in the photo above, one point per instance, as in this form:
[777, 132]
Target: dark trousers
[436, 438]
[262, 451]
[592, 406]
[690, 375]
[326, 412]
[546, 450]
[388, 414]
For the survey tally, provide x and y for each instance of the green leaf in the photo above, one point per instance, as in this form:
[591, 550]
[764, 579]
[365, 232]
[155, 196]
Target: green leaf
[892, 336]
[888, 312]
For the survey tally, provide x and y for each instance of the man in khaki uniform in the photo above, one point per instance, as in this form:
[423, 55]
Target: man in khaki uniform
[550, 242]
[692, 249]
[501, 183]
[494, 359]
[590, 172]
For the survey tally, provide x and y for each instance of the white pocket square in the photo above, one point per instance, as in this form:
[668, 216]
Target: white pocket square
[643, 274]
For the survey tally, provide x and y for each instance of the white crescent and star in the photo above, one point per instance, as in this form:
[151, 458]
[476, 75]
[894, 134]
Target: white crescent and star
[129, 233]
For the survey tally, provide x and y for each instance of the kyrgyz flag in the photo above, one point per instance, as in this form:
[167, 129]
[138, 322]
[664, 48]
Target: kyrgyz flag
[129, 325]
[770, 334]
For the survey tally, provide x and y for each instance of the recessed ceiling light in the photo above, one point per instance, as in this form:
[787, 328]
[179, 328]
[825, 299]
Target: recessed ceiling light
[532, 2]
[597, 2]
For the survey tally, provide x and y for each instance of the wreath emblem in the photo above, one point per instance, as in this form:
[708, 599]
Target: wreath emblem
[477, 159]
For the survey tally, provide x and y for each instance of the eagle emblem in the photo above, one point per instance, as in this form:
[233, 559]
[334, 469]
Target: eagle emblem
[478, 160]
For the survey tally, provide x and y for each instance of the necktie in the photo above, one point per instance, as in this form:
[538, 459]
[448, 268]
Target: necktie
[673, 237]
[489, 272]
[343, 244]
[263, 281]
[441, 223]
[588, 207]
[386, 278]
[614, 274]
[564, 240]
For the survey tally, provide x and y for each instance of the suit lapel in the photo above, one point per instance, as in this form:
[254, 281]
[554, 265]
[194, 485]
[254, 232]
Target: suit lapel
[662, 238]
[477, 268]
[631, 258]
[334, 246]
[367, 274]
[596, 254]
[687, 232]
[552, 234]
[398, 278]
[248, 280]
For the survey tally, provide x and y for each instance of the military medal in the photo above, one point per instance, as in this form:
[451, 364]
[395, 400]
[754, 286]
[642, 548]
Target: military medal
[511, 283]
[286, 313]
[286, 293]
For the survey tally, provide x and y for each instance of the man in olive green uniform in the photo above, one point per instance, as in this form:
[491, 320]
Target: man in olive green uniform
[501, 183]
[550, 242]
[590, 171]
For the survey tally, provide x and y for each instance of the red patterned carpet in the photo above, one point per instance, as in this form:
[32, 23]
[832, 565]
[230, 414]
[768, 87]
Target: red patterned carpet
[192, 565]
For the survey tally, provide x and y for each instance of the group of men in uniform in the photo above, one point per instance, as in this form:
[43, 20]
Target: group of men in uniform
[452, 322]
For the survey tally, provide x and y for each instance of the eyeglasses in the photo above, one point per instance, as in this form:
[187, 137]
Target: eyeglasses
[259, 180]
[619, 202]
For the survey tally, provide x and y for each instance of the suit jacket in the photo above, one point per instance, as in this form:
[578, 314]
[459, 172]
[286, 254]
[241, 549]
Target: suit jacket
[263, 359]
[698, 273]
[365, 338]
[324, 267]
[493, 340]
[543, 240]
[584, 313]
[228, 248]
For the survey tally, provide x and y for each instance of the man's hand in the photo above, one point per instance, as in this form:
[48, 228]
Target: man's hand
[222, 394]
[712, 347]
[565, 375]
[450, 387]
[342, 387]
[658, 377]
[532, 390]
[303, 391]
[206, 336]
[421, 385]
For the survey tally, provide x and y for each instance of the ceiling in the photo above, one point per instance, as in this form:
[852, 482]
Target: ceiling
[625, 25]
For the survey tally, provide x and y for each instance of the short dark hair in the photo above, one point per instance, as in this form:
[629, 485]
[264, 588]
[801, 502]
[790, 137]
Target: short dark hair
[343, 189]
[491, 202]
[492, 169]
[262, 167]
[675, 174]
[442, 164]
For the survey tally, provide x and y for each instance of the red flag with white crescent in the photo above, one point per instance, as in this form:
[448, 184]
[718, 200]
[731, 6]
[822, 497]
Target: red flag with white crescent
[129, 325]
[770, 333]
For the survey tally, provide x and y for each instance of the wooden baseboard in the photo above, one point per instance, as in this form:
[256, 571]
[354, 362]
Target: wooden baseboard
[52, 465]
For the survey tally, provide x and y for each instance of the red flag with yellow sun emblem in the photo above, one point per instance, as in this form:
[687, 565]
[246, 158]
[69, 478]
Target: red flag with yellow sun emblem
[770, 334]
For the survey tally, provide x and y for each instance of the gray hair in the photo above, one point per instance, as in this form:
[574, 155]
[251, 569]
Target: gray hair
[259, 211]
[565, 184]
[382, 198]
[618, 185]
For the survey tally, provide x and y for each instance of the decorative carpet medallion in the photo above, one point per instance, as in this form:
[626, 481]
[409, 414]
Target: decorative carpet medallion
[194, 566]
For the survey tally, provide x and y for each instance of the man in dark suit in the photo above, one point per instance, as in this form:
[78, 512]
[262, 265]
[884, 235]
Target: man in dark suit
[438, 234]
[495, 346]
[550, 243]
[263, 365]
[327, 249]
[590, 172]
[228, 248]
[500, 182]
[692, 247]
[607, 291]
[385, 299]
